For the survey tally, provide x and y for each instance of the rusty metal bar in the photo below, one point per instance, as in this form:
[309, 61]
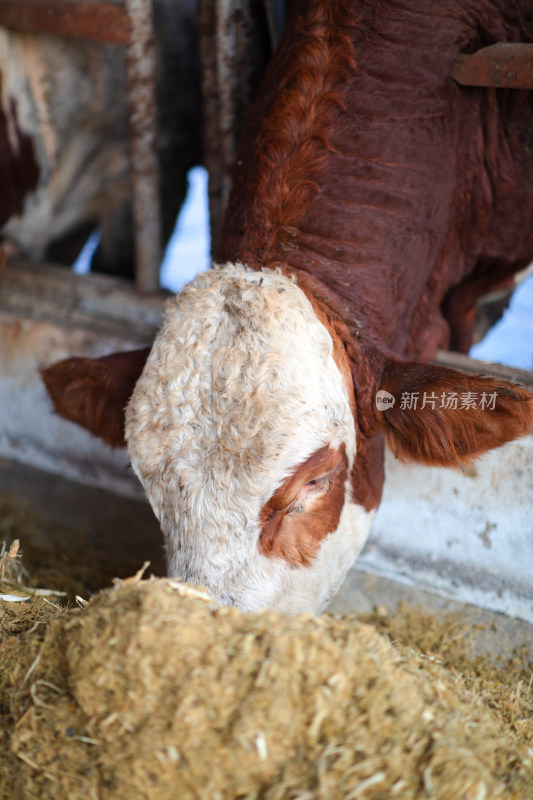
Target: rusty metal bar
[224, 88]
[230, 74]
[140, 63]
[100, 22]
[275, 13]
[232, 59]
[207, 24]
[502, 66]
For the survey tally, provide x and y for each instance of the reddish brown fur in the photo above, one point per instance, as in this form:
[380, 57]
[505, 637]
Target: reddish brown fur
[338, 331]
[93, 392]
[368, 469]
[447, 436]
[294, 145]
[392, 185]
[290, 127]
[293, 534]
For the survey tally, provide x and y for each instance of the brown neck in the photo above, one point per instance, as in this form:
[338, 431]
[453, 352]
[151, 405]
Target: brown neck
[289, 206]
[368, 168]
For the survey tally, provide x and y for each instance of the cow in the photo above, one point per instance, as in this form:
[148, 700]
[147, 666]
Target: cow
[373, 201]
[64, 138]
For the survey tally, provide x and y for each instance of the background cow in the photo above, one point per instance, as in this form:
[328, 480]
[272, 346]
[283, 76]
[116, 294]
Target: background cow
[373, 201]
[64, 138]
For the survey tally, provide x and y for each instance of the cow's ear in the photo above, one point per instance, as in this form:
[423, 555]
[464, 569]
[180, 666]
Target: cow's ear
[93, 392]
[437, 416]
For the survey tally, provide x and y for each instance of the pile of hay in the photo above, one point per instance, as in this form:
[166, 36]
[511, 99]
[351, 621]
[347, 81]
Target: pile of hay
[151, 691]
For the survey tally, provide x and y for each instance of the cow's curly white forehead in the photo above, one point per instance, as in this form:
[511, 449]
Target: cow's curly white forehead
[240, 387]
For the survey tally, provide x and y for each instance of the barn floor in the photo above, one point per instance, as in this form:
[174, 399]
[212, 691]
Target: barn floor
[76, 539]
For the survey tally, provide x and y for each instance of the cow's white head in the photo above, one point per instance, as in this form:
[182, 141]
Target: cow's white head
[257, 430]
[241, 429]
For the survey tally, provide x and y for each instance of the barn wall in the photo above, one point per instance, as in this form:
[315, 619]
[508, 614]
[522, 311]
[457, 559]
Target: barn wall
[47, 314]
[466, 534]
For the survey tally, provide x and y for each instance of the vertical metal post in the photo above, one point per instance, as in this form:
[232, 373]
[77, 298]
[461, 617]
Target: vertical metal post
[140, 61]
[233, 57]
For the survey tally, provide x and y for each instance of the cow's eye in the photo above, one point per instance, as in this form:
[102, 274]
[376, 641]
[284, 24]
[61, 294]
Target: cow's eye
[318, 484]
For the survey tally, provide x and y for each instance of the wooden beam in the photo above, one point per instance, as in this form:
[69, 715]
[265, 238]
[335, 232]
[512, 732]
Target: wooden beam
[463, 363]
[100, 22]
[141, 77]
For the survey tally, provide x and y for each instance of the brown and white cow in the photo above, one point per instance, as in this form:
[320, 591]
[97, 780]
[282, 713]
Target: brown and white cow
[64, 138]
[373, 201]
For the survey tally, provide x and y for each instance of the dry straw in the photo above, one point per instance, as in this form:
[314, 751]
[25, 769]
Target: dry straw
[151, 691]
